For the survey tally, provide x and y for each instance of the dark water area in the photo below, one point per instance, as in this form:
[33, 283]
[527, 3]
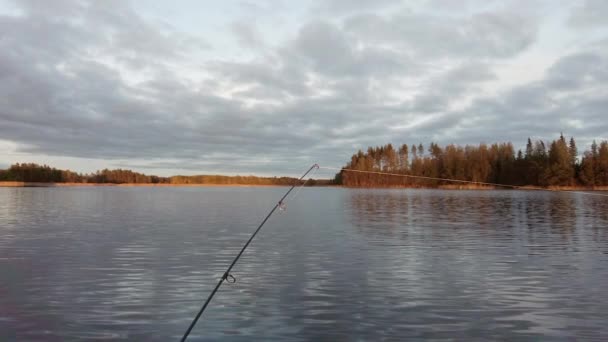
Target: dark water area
[337, 265]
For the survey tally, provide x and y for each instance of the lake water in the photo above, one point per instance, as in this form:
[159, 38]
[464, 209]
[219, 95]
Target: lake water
[337, 265]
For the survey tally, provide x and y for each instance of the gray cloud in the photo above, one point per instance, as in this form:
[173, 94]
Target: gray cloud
[326, 49]
[486, 34]
[351, 6]
[450, 86]
[247, 34]
[101, 81]
[590, 13]
[266, 78]
[578, 71]
[574, 105]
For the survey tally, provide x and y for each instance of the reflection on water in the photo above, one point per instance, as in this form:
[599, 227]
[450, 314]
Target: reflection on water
[339, 264]
[490, 264]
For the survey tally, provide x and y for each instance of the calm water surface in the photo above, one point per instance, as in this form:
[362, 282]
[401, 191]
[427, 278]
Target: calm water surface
[337, 265]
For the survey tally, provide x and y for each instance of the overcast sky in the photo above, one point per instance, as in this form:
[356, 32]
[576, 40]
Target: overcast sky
[269, 87]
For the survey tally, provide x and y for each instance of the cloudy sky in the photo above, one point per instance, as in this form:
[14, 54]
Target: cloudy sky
[271, 86]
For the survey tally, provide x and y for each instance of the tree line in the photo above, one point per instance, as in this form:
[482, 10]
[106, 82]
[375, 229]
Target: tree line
[31, 172]
[555, 163]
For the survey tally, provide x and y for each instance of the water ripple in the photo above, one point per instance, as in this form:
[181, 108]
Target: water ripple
[339, 264]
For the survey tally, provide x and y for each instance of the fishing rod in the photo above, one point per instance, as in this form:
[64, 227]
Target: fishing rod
[227, 276]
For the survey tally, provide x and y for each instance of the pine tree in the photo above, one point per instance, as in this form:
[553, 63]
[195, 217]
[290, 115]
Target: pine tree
[560, 170]
[601, 175]
[573, 152]
[404, 158]
[529, 149]
[587, 172]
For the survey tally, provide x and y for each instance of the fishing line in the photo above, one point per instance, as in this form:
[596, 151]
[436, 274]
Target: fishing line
[462, 181]
[229, 277]
[300, 188]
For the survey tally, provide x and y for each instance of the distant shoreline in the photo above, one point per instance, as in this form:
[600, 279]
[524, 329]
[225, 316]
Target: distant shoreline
[486, 187]
[440, 187]
[60, 185]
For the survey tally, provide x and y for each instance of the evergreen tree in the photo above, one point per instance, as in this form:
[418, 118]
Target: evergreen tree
[573, 152]
[404, 158]
[601, 176]
[574, 159]
[587, 173]
[529, 149]
[560, 170]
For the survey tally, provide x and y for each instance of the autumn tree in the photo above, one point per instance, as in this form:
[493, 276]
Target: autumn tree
[560, 170]
[558, 165]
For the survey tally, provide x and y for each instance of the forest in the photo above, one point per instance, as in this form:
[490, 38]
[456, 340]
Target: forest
[555, 163]
[545, 164]
[30, 172]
